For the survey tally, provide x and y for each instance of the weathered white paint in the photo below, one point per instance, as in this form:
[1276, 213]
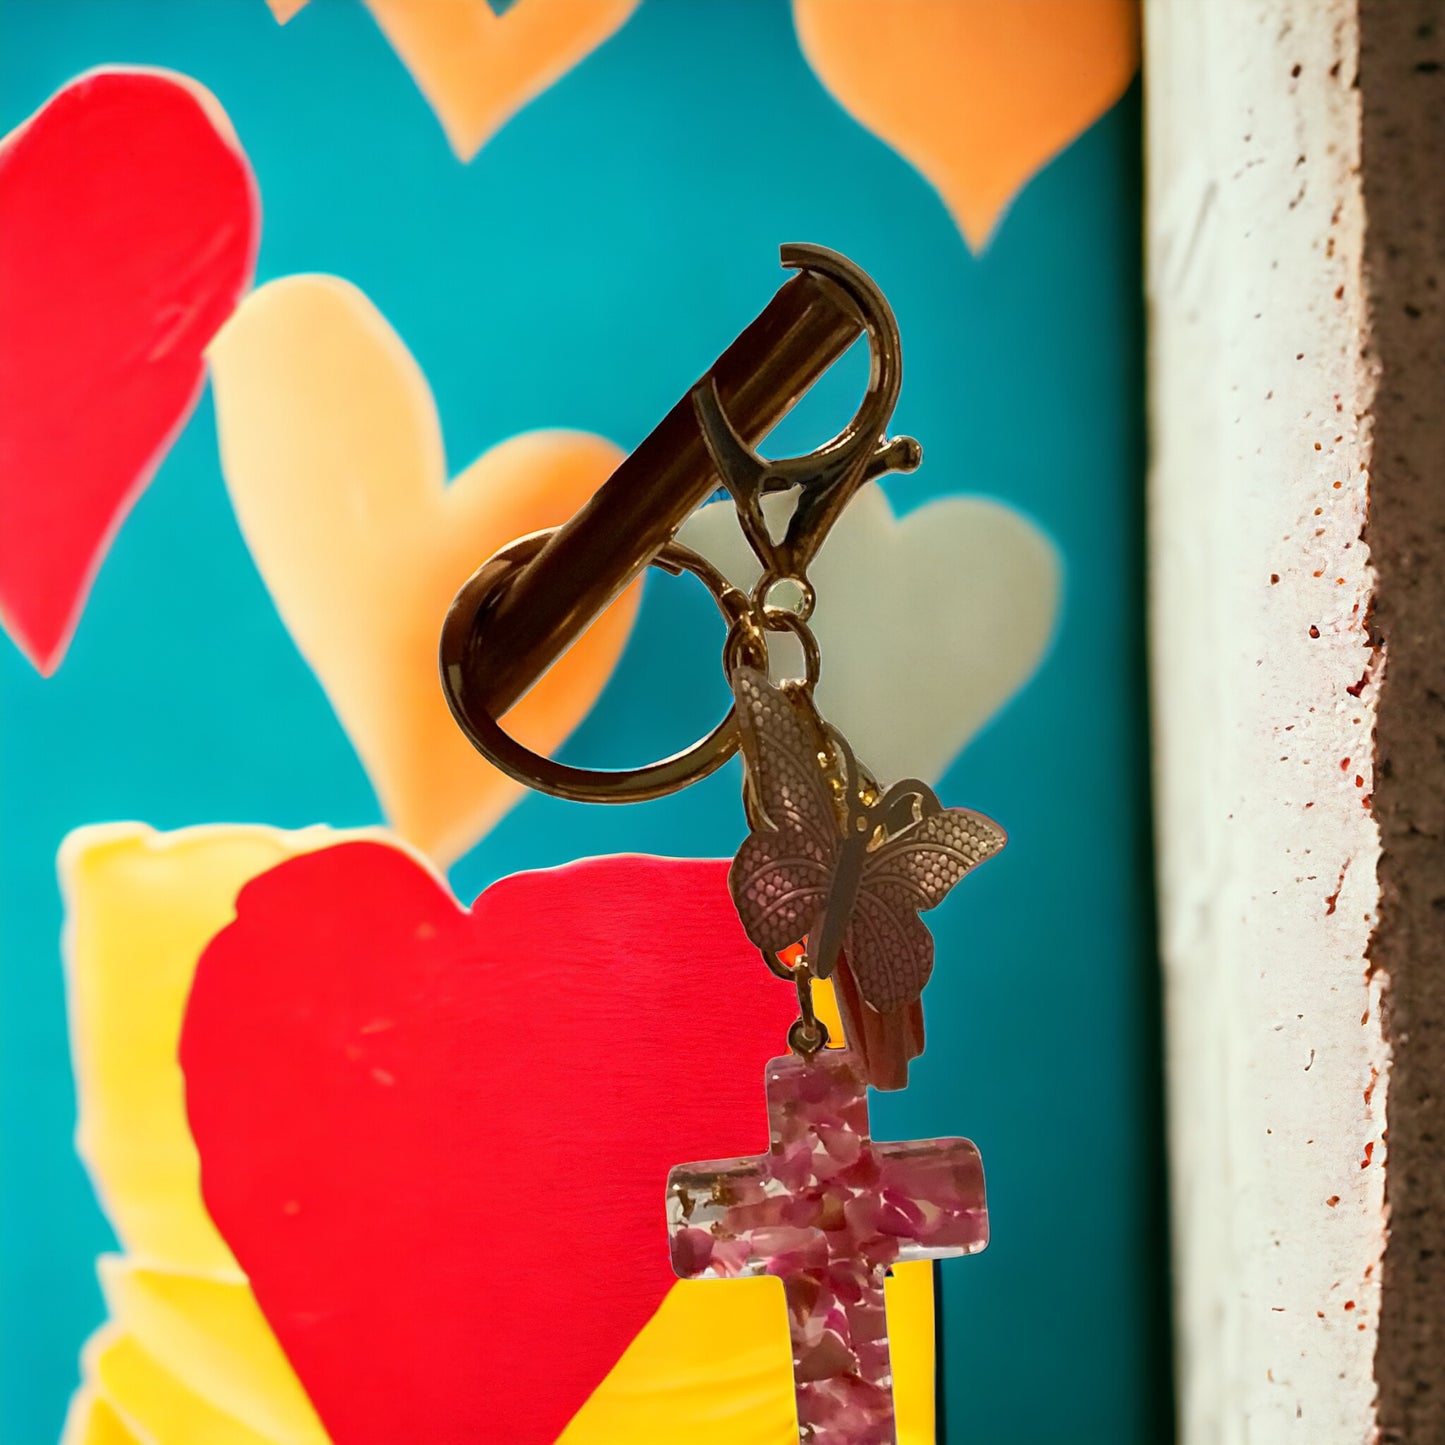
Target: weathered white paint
[1267, 847]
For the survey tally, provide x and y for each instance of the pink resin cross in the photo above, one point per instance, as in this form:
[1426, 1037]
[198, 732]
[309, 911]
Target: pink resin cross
[829, 1212]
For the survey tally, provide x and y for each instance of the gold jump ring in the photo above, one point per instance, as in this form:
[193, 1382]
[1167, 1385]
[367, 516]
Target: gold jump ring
[462, 657]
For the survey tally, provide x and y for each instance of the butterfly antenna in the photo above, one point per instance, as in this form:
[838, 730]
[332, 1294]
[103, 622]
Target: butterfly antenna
[911, 794]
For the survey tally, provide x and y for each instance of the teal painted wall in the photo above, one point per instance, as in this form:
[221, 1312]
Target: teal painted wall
[579, 272]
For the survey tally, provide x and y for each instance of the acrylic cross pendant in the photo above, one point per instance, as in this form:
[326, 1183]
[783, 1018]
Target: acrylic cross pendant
[828, 1212]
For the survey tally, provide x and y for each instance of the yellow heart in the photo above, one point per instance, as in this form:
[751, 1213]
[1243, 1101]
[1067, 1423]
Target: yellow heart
[477, 68]
[91, 1420]
[333, 455]
[189, 1341]
[188, 1356]
[978, 94]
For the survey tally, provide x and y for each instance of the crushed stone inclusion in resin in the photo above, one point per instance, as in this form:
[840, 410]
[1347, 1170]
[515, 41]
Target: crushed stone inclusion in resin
[829, 1212]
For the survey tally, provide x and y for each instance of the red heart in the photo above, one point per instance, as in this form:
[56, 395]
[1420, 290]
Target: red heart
[128, 227]
[438, 1140]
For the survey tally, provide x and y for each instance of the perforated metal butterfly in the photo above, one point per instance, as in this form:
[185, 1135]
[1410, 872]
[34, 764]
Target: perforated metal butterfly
[849, 866]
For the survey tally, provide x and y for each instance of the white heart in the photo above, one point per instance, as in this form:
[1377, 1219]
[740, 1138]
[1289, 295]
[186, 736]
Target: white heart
[927, 625]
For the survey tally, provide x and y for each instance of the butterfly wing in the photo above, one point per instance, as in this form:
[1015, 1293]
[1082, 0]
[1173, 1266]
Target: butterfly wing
[778, 894]
[889, 948]
[779, 879]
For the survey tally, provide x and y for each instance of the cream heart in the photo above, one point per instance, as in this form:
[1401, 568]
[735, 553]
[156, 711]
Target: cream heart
[928, 625]
[333, 454]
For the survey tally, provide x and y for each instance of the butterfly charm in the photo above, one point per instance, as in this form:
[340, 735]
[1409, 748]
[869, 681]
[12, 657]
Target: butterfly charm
[849, 866]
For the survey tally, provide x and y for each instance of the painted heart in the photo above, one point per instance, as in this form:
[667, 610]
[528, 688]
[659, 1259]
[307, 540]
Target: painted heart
[437, 1140]
[333, 454]
[959, 609]
[478, 62]
[128, 230]
[186, 1343]
[993, 91]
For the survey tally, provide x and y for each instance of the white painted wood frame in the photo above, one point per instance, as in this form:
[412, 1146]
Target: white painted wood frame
[1265, 690]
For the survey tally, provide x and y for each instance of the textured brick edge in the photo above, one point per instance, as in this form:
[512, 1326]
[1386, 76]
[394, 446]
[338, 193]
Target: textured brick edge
[1402, 91]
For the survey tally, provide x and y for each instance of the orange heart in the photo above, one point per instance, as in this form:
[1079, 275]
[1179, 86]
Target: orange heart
[978, 94]
[478, 68]
[333, 455]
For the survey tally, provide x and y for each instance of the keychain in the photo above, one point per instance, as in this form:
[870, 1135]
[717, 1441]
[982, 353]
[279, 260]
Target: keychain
[836, 870]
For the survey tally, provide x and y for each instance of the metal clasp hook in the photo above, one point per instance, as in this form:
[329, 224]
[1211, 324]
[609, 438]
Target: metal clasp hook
[826, 478]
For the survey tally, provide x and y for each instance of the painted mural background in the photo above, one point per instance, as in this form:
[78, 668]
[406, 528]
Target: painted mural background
[572, 277]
